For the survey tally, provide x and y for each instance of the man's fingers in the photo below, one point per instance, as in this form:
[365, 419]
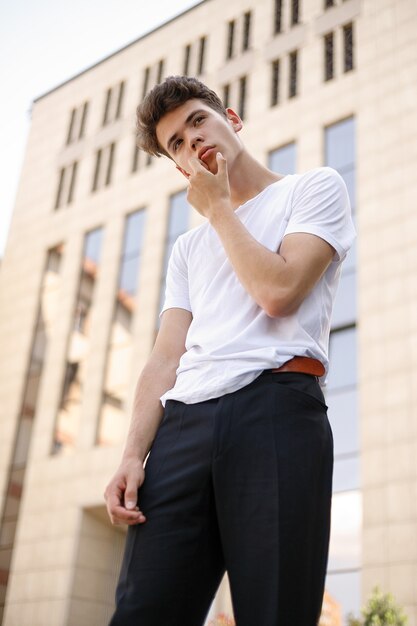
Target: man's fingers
[195, 165]
[221, 163]
[131, 494]
[121, 516]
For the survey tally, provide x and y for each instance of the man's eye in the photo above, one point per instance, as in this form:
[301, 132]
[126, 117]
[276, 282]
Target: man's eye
[198, 119]
[176, 143]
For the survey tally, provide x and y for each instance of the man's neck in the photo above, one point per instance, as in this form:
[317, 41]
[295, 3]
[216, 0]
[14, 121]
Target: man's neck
[247, 178]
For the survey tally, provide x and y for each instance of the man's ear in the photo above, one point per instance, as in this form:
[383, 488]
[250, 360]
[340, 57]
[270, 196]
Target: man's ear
[234, 118]
[183, 172]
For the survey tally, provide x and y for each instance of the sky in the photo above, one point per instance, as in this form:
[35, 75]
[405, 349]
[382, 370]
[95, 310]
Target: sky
[42, 44]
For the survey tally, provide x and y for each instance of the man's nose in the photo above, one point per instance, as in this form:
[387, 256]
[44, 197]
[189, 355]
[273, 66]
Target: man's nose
[195, 141]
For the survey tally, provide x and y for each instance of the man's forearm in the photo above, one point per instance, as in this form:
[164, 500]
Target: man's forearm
[263, 273]
[156, 378]
[278, 282]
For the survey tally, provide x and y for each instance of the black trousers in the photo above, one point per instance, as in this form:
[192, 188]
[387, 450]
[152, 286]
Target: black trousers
[240, 483]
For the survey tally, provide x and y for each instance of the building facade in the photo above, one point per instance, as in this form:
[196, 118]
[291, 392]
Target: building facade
[317, 82]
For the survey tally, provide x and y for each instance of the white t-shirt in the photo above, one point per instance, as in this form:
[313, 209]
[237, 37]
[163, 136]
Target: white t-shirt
[231, 339]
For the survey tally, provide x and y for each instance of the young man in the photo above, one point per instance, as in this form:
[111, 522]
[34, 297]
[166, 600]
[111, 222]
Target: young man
[239, 477]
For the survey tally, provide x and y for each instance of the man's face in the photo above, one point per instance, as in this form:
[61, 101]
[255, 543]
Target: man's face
[196, 130]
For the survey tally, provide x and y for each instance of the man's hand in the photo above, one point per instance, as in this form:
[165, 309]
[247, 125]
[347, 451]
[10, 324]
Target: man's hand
[209, 192]
[121, 494]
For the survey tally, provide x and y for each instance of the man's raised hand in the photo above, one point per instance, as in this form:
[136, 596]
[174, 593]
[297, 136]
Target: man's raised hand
[209, 192]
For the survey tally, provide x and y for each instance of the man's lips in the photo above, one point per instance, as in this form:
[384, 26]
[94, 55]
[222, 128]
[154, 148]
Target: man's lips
[205, 153]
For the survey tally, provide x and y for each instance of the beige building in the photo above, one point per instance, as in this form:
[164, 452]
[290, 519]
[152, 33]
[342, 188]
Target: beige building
[318, 82]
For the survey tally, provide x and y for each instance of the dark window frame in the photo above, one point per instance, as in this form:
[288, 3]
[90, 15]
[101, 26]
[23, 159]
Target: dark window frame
[71, 126]
[231, 28]
[295, 12]
[83, 120]
[293, 86]
[275, 75]
[120, 100]
[107, 106]
[247, 20]
[328, 44]
[201, 55]
[348, 48]
[243, 84]
[187, 55]
[278, 17]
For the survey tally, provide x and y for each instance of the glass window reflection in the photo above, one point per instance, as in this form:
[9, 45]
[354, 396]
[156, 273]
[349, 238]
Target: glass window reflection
[69, 411]
[112, 419]
[135, 223]
[92, 245]
[178, 220]
[344, 308]
[346, 474]
[340, 144]
[345, 539]
[343, 590]
[343, 359]
[343, 417]
[283, 160]
[128, 275]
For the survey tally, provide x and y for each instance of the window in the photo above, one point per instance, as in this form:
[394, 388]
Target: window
[97, 170]
[48, 308]
[230, 39]
[200, 68]
[246, 30]
[242, 97]
[293, 61]
[187, 53]
[145, 84]
[71, 126]
[328, 3]
[283, 159]
[295, 12]
[120, 100]
[113, 415]
[348, 47]
[113, 103]
[132, 251]
[226, 95]
[160, 71]
[343, 574]
[135, 161]
[61, 181]
[275, 82]
[83, 120]
[278, 17]
[153, 75]
[103, 167]
[69, 411]
[179, 212]
[66, 185]
[328, 56]
[107, 107]
[140, 158]
[72, 182]
[194, 57]
[340, 150]
[110, 165]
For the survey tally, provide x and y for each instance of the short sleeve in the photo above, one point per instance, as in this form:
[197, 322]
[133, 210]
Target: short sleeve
[321, 207]
[176, 287]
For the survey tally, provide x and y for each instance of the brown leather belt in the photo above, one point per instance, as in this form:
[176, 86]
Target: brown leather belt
[302, 364]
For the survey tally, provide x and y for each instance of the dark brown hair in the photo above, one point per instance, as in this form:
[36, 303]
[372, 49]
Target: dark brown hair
[165, 97]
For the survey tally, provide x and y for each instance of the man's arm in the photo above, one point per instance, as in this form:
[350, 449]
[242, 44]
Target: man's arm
[277, 281]
[158, 376]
